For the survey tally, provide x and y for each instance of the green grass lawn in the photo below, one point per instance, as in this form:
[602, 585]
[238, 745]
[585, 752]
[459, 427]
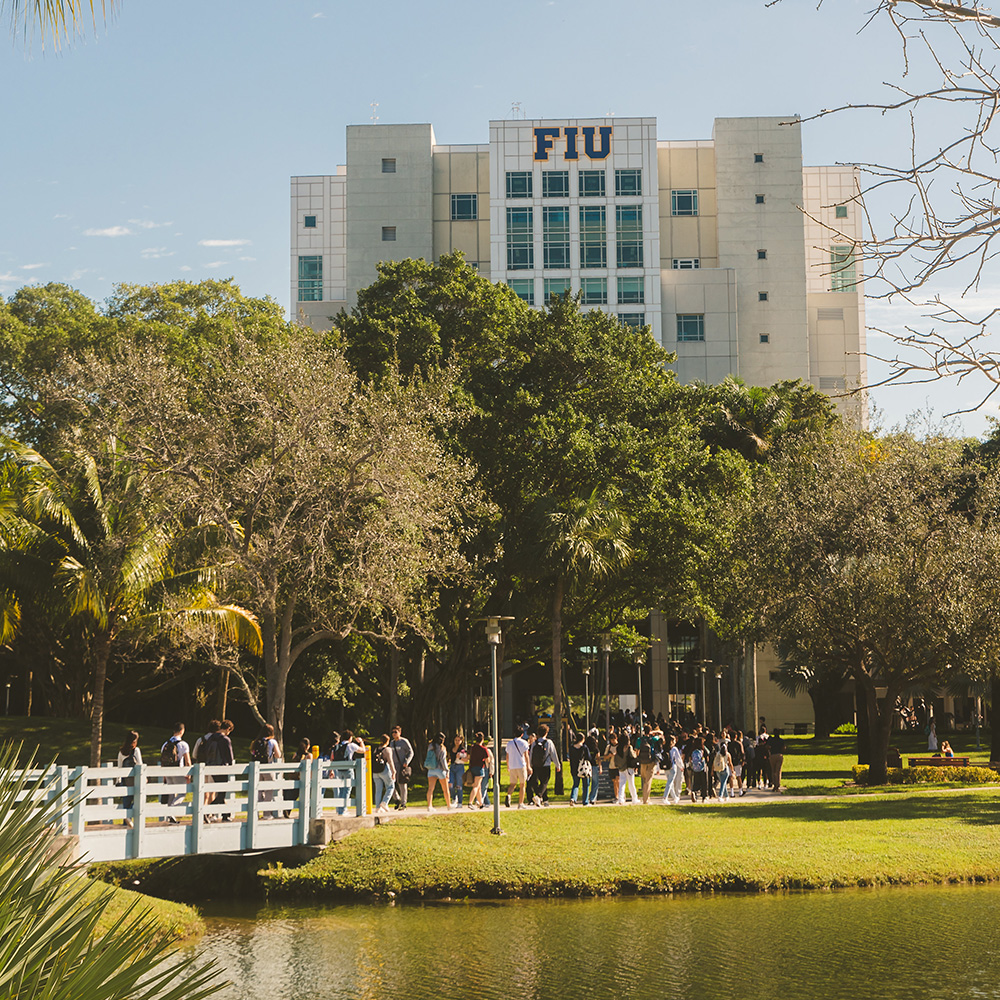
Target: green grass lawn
[68, 740]
[907, 838]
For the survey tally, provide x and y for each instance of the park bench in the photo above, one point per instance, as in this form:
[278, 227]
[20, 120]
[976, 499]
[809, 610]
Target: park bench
[938, 761]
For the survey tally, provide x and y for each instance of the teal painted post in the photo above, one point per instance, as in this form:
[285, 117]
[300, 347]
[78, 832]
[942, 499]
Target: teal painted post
[197, 812]
[253, 782]
[138, 812]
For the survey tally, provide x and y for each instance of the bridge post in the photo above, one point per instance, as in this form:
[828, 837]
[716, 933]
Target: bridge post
[78, 794]
[305, 806]
[197, 806]
[316, 798]
[359, 785]
[61, 797]
[138, 811]
[253, 783]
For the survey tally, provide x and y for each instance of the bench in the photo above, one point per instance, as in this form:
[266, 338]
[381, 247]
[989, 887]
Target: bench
[938, 761]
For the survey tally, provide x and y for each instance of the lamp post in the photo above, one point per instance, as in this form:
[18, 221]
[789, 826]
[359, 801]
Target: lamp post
[606, 656]
[586, 696]
[718, 695]
[676, 664]
[6, 710]
[704, 705]
[639, 657]
[493, 638]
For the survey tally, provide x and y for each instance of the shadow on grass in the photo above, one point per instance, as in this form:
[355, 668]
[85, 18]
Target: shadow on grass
[968, 807]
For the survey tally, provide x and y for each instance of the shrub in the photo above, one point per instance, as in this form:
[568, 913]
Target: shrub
[846, 729]
[930, 775]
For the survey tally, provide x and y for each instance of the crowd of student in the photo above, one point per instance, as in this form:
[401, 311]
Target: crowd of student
[691, 760]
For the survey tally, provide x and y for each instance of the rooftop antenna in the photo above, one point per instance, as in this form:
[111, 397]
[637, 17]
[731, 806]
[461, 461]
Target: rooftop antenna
[516, 111]
[374, 114]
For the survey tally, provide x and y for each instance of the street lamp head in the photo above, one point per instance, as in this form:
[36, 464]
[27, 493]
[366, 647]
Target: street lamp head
[639, 655]
[606, 642]
[493, 630]
[586, 669]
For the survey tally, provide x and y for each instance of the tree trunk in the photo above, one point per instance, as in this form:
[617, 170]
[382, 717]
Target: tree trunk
[864, 739]
[556, 727]
[880, 731]
[102, 650]
[394, 656]
[223, 693]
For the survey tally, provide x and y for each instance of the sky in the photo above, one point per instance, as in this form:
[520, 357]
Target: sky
[159, 145]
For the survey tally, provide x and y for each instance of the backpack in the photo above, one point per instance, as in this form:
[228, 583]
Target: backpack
[129, 759]
[378, 762]
[538, 754]
[259, 750]
[340, 751]
[719, 762]
[212, 749]
[736, 751]
[645, 753]
[168, 753]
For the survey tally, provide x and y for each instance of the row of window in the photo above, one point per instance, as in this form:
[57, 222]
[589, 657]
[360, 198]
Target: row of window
[593, 291]
[556, 237]
[590, 183]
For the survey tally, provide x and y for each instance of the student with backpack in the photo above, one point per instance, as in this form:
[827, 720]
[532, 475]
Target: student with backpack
[265, 750]
[217, 751]
[175, 753]
[543, 758]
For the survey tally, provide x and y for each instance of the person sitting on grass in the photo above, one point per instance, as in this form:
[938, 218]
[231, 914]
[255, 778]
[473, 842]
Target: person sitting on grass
[946, 750]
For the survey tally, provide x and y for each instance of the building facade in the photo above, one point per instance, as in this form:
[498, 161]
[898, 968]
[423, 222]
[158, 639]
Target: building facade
[740, 259]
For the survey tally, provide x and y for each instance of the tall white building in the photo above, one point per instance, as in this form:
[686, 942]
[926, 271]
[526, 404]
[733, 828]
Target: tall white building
[740, 259]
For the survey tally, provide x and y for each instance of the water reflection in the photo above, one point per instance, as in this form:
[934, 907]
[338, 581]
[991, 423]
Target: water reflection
[926, 943]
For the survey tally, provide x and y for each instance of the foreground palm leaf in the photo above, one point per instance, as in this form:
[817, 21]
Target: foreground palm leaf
[49, 944]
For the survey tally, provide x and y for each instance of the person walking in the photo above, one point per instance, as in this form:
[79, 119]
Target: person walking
[596, 751]
[479, 757]
[383, 776]
[436, 763]
[776, 752]
[722, 768]
[628, 761]
[518, 769]
[129, 755]
[456, 772]
[699, 771]
[402, 754]
[543, 759]
[175, 753]
[265, 750]
[612, 760]
[674, 773]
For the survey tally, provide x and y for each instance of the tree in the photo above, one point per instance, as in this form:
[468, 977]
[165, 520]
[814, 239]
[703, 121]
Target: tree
[82, 539]
[55, 19]
[933, 213]
[865, 560]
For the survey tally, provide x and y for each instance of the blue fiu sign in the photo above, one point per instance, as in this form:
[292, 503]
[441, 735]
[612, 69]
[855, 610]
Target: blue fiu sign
[596, 141]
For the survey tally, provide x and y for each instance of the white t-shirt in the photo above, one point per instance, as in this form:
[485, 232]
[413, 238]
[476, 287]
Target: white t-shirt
[517, 751]
[182, 749]
[121, 757]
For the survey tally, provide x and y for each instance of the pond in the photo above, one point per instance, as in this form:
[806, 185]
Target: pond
[921, 943]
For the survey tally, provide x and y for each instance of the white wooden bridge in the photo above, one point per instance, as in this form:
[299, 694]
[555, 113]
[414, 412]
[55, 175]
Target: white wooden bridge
[149, 811]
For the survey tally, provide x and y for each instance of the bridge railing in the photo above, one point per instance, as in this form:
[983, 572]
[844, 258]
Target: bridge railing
[149, 811]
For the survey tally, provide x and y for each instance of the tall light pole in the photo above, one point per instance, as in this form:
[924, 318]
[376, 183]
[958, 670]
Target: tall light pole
[606, 656]
[704, 705]
[586, 696]
[639, 656]
[494, 637]
[676, 664]
[6, 710]
[718, 694]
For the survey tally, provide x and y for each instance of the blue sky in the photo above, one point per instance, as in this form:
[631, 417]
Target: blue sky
[160, 146]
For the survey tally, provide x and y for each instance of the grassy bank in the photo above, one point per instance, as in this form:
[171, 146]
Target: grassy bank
[878, 840]
[173, 921]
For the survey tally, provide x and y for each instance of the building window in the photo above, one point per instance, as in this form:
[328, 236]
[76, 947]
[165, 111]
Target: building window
[761, 255]
[388, 234]
[631, 291]
[765, 338]
[683, 202]
[592, 184]
[311, 279]
[758, 199]
[556, 287]
[555, 236]
[523, 288]
[841, 211]
[762, 296]
[520, 239]
[594, 291]
[518, 183]
[632, 319]
[628, 183]
[309, 222]
[758, 157]
[388, 165]
[593, 236]
[555, 184]
[691, 327]
[629, 235]
[464, 207]
[686, 263]
[843, 276]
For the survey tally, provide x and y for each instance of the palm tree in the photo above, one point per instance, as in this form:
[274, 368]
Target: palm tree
[587, 541]
[85, 542]
[55, 19]
[50, 918]
[747, 417]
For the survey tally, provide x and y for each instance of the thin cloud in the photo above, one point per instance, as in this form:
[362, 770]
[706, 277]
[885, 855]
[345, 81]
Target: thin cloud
[318, 14]
[248, 258]
[218, 263]
[32, 267]
[110, 231]
[8, 278]
[146, 224]
[223, 243]
[184, 267]
[60, 215]
[155, 253]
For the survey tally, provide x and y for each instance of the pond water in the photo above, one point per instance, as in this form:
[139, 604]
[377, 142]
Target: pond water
[921, 943]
